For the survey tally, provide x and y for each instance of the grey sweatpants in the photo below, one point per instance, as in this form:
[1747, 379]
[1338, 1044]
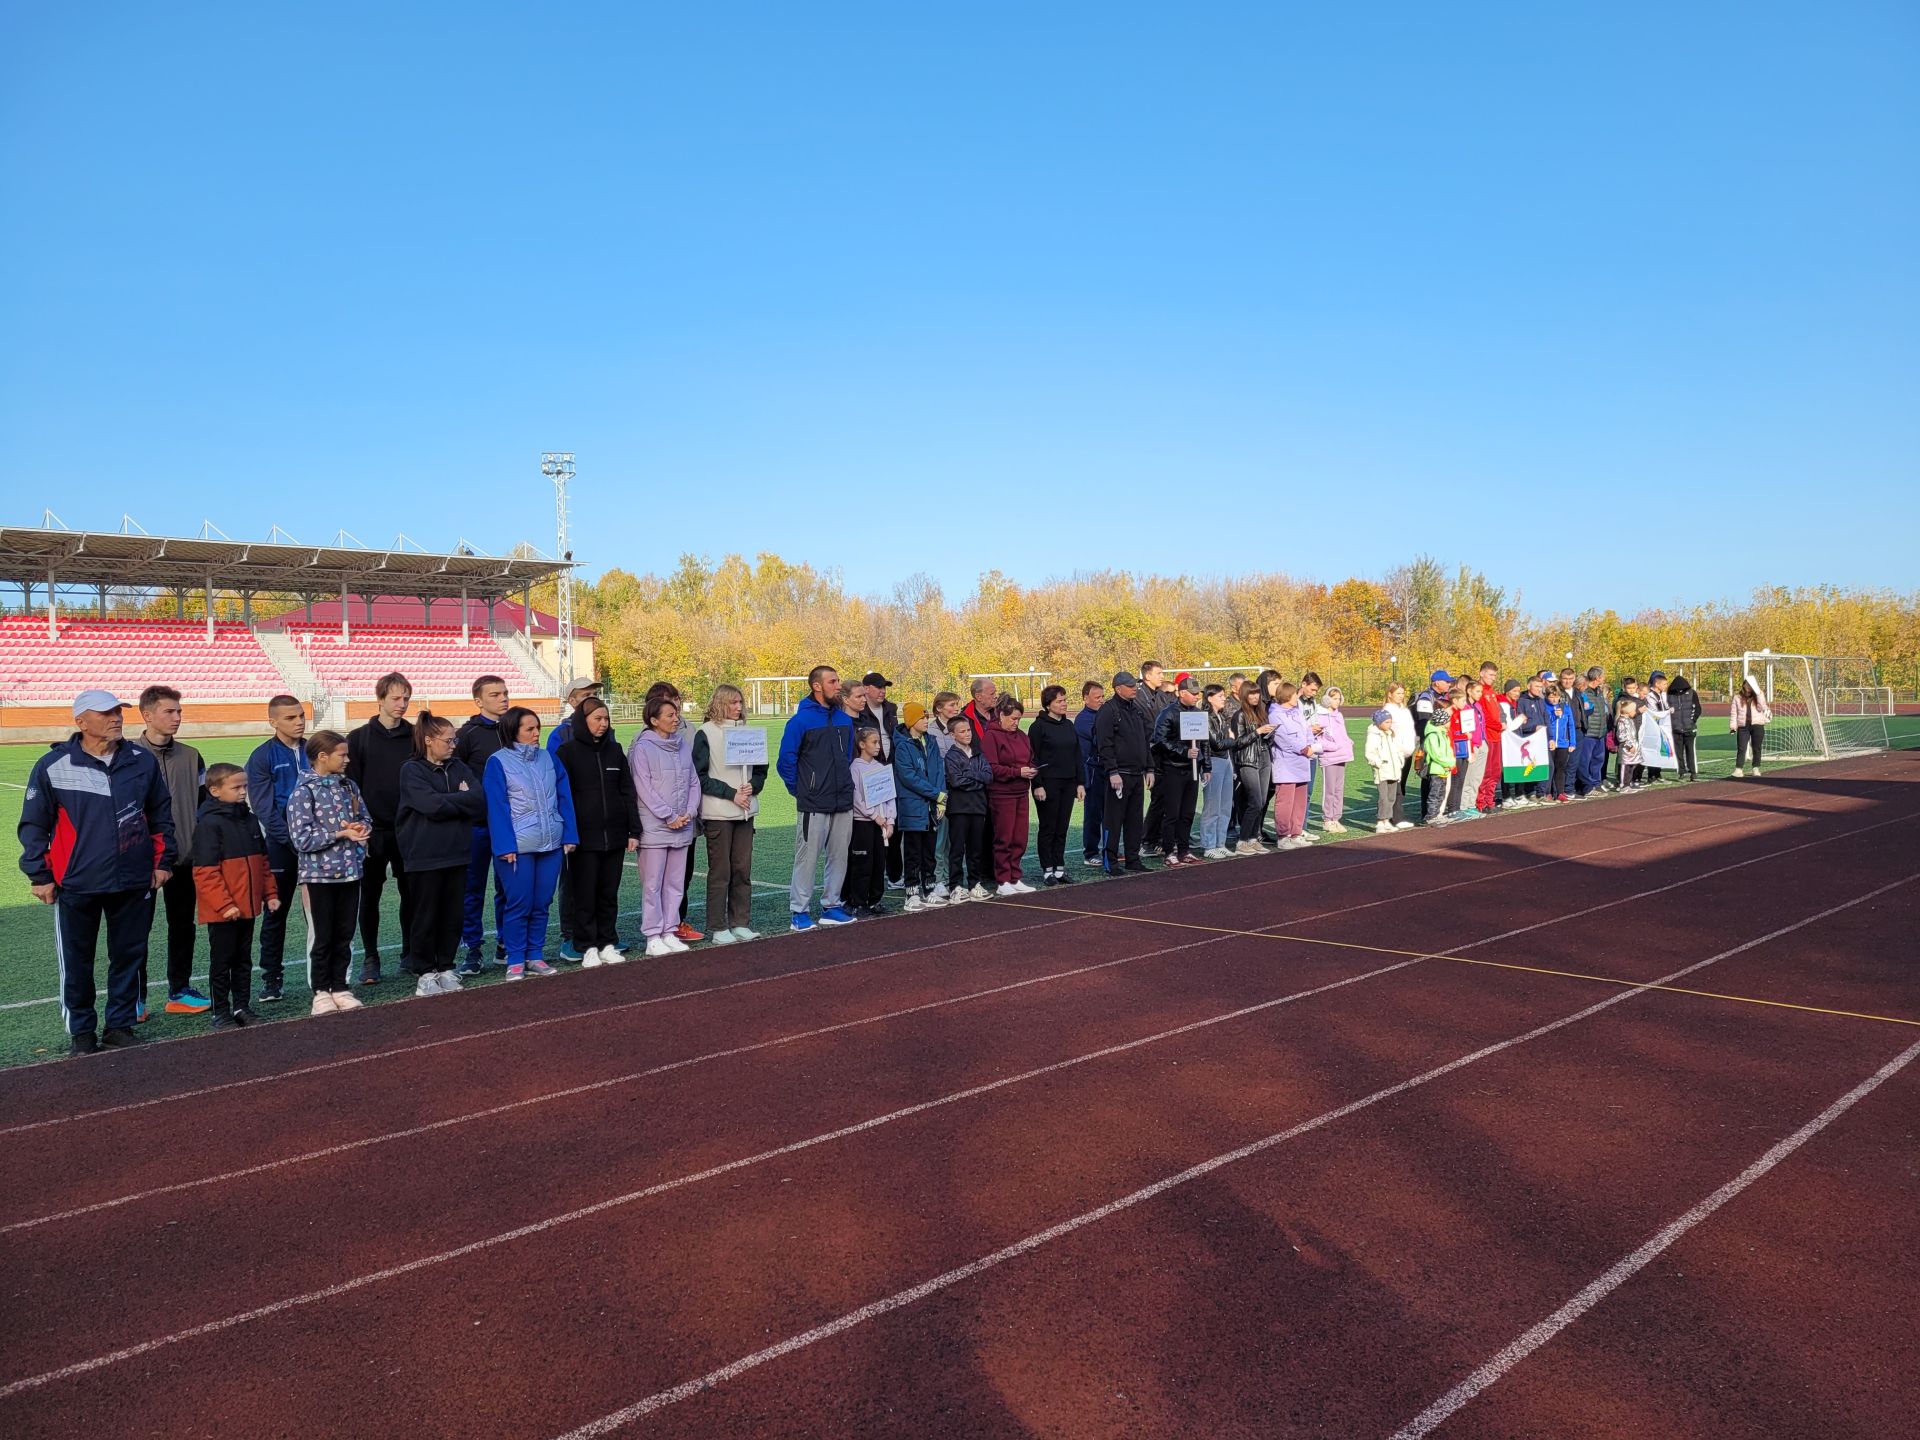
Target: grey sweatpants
[813, 834]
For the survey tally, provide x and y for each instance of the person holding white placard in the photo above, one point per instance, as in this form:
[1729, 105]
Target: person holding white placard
[874, 817]
[730, 758]
[1181, 758]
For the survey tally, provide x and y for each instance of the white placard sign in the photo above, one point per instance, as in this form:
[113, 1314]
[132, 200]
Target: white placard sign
[877, 786]
[744, 745]
[1193, 725]
[1656, 740]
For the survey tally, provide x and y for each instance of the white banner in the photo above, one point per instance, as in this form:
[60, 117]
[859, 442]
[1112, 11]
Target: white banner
[877, 787]
[743, 745]
[1193, 724]
[1656, 740]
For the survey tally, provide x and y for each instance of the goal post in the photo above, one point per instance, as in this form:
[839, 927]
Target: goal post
[1822, 705]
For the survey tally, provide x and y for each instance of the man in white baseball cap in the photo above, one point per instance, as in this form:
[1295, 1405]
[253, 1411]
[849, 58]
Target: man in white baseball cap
[96, 841]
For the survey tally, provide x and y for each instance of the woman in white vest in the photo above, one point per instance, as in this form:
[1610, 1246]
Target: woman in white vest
[729, 800]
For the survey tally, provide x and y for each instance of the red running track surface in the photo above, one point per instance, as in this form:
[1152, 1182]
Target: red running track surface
[1246, 1151]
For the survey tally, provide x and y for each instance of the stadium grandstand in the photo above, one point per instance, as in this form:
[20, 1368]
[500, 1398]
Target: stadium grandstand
[317, 621]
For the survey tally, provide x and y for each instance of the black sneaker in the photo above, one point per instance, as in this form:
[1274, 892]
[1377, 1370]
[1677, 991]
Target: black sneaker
[1094, 859]
[242, 1015]
[370, 970]
[119, 1039]
[500, 952]
[85, 1043]
[1137, 867]
[1148, 852]
[1062, 878]
[222, 1022]
[470, 966]
[870, 912]
[271, 992]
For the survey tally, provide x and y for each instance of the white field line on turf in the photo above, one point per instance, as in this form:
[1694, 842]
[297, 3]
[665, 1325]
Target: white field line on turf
[690, 994]
[1032, 1242]
[1455, 840]
[903, 1298]
[365, 1142]
[1630, 1265]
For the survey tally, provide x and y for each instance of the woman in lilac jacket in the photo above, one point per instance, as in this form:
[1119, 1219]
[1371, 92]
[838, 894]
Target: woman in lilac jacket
[1293, 751]
[667, 786]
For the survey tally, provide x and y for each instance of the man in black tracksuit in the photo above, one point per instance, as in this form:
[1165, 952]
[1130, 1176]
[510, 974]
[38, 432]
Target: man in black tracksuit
[1154, 699]
[476, 743]
[1120, 740]
[375, 753]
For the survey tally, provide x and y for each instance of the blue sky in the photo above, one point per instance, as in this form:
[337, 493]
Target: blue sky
[1619, 303]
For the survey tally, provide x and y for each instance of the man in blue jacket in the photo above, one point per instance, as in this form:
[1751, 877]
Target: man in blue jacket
[273, 769]
[1092, 774]
[1531, 708]
[816, 763]
[96, 842]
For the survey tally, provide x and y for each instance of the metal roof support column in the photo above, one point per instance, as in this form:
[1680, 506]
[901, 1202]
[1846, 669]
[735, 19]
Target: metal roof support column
[466, 621]
[346, 632]
[53, 620]
[209, 607]
[103, 599]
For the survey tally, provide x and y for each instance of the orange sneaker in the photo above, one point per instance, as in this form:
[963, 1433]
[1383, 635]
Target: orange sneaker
[685, 932]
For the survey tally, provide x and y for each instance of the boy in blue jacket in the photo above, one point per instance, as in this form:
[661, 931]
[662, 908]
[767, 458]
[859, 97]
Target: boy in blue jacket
[273, 769]
[96, 842]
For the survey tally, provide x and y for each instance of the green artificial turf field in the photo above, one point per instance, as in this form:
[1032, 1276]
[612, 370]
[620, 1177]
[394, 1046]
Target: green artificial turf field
[30, 1027]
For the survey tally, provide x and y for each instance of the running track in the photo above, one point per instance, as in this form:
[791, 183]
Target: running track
[1305, 1145]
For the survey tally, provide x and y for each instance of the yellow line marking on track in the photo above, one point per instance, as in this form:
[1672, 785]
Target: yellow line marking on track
[1464, 960]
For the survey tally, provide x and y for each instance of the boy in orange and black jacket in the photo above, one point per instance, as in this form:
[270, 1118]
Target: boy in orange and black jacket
[234, 885]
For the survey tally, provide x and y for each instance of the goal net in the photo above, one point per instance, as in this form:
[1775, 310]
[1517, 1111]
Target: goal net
[1823, 705]
[1820, 710]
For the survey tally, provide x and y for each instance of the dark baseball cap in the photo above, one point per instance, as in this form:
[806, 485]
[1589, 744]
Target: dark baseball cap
[874, 677]
[1124, 677]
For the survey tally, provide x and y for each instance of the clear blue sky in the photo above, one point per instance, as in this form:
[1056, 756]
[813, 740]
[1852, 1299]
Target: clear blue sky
[1619, 302]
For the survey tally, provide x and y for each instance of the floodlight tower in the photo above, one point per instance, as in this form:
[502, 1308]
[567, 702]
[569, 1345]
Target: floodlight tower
[557, 466]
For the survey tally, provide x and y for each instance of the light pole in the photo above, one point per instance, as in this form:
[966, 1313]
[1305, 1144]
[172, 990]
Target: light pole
[557, 466]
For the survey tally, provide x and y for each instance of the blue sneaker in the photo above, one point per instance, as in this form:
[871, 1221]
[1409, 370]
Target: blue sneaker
[188, 1002]
[472, 965]
[836, 915]
[140, 1011]
[571, 953]
[801, 921]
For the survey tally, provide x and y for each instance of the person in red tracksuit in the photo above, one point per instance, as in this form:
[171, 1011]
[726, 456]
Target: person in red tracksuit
[1492, 725]
[1006, 748]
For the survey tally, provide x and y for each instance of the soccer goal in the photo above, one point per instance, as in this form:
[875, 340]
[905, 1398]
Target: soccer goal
[1820, 708]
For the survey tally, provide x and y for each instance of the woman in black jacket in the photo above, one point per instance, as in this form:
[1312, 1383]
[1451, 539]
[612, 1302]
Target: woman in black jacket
[1056, 756]
[1685, 702]
[607, 812]
[440, 803]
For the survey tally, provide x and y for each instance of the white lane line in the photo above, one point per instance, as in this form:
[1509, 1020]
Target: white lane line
[366, 1142]
[1630, 1265]
[873, 1122]
[902, 1298]
[1148, 955]
[602, 1011]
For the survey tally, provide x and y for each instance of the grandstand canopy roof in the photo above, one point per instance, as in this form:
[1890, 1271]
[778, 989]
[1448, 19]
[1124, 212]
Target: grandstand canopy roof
[97, 557]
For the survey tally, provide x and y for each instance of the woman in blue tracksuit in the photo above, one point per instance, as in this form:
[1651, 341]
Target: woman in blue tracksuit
[530, 822]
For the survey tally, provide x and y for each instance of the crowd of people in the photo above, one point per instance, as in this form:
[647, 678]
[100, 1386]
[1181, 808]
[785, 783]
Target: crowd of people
[932, 801]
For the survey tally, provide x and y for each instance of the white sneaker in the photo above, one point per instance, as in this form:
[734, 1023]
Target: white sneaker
[724, 937]
[940, 895]
[1756, 772]
[914, 903]
[934, 899]
[1022, 887]
[428, 984]
[1403, 825]
[743, 933]
[1007, 888]
[591, 959]
[980, 892]
[675, 945]
[1736, 772]
[1333, 827]
[657, 947]
[450, 982]
[957, 898]
[1384, 827]
[612, 955]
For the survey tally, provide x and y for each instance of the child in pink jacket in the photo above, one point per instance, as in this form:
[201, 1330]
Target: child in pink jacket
[1336, 753]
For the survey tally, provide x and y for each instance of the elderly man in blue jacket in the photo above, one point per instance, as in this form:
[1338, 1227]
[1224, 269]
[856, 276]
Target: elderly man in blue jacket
[816, 763]
[96, 842]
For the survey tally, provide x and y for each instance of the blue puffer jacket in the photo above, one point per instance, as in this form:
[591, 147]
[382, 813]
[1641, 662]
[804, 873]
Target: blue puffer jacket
[919, 775]
[1562, 734]
[96, 827]
[529, 803]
